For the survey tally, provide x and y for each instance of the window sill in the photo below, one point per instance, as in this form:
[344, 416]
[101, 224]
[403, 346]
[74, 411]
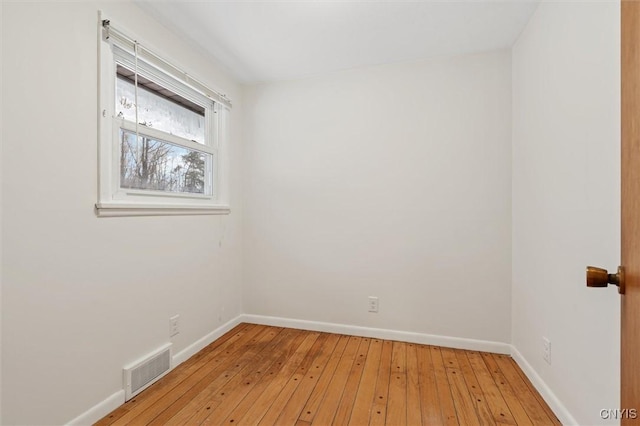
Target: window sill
[123, 209]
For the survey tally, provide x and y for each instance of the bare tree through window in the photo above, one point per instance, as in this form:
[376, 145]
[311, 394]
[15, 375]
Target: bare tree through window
[155, 165]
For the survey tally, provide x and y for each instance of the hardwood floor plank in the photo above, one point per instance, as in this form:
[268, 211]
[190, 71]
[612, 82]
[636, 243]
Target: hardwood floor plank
[477, 396]
[294, 406]
[364, 397]
[232, 384]
[449, 358]
[381, 395]
[329, 405]
[511, 398]
[430, 404]
[445, 396]
[261, 387]
[290, 388]
[414, 409]
[397, 403]
[225, 409]
[529, 402]
[280, 376]
[255, 405]
[345, 406]
[461, 396]
[497, 405]
[311, 407]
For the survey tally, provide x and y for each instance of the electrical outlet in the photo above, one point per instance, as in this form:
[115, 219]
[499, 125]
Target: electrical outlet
[174, 325]
[373, 304]
[546, 350]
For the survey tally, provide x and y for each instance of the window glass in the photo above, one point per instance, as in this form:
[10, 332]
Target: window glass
[151, 164]
[158, 107]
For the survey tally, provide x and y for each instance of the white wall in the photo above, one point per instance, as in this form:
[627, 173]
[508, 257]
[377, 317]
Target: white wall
[391, 181]
[82, 296]
[566, 168]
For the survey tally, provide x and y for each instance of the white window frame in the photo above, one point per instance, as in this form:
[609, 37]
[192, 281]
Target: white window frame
[116, 201]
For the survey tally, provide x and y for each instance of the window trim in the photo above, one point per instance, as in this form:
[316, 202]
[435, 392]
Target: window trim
[116, 201]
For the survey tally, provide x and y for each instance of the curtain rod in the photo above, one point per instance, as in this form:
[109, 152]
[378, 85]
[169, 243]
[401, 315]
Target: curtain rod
[111, 32]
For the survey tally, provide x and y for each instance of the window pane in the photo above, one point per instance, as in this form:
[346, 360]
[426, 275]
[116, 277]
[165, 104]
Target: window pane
[158, 107]
[156, 165]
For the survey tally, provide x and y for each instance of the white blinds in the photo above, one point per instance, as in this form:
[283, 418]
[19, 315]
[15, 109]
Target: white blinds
[120, 39]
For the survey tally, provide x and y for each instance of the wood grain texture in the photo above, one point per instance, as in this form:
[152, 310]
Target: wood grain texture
[277, 376]
[445, 395]
[414, 409]
[311, 407]
[361, 412]
[630, 222]
[429, 400]
[497, 405]
[508, 394]
[381, 394]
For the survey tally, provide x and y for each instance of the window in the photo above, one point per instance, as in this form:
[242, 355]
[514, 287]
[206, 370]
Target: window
[162, 135]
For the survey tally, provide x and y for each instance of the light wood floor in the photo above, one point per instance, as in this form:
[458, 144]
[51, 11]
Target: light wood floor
[279, 376]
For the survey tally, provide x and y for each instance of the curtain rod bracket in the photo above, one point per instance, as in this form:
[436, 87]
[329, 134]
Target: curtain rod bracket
[106, 25]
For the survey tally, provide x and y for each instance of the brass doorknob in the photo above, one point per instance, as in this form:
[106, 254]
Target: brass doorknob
[598, 277]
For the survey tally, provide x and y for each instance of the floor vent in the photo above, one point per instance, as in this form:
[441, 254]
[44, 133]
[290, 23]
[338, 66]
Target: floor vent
[143, 373]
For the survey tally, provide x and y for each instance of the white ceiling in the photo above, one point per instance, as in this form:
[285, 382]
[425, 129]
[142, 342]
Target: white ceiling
[277, 40]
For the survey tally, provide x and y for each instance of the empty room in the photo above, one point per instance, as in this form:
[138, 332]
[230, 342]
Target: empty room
[316, 212]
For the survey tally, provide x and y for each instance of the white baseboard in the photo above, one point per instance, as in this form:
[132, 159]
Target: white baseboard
[200, 344]
[550, 398]
[381, 333]
[99, 410]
